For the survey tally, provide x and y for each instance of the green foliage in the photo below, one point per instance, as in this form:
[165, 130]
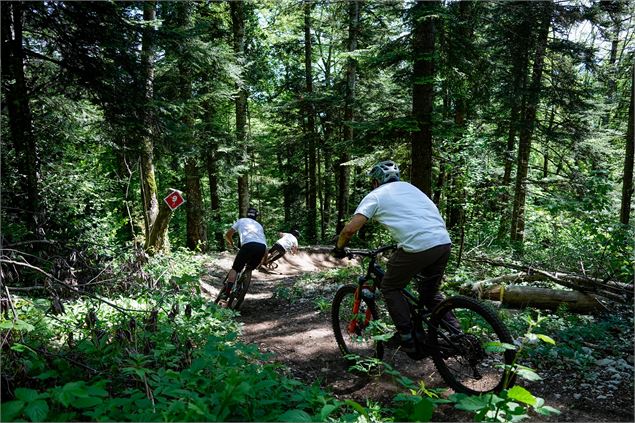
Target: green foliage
[580, 340]
[323, 305]
[171, 355]
[512, 403]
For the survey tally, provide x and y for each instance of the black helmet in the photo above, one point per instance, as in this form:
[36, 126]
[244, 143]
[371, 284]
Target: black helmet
[386, 171]
[295, 233]
[253, 213]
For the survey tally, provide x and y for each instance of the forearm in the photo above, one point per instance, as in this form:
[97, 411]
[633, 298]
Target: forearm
[228, 238]
[351, 228]
[344, 238]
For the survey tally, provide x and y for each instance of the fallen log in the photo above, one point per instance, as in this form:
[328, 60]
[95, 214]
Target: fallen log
[613, 290]
[517, 296]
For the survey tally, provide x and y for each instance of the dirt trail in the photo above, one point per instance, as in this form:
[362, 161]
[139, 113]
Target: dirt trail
[294, 332]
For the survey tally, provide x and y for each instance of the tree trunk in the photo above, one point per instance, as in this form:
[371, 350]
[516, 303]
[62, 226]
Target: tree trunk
[459, 54]
[196, 229]
[519, 70]
[325, 177]
[20, 118]
[627, 183]
[148, 181]
[196, 237]
[311, 136]
[212, 175]
[526, 131]
[157, 239]
[343, 172]
[423, 94]
[237, 9]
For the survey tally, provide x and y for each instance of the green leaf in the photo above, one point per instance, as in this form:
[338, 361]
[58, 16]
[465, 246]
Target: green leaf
[96, 391]
[47, 375]
[20, 348]
[6, 324]
[27, 395]
[498, 347]
[65, 398]
[37, 410]
[327, 410]
[295, 416]
[357, 407]
[422, 411]
[545, 338]
[527, 373]
[10, 410]
[472, 403]
[547, 410]
[17, 325]
[521, 394]
[87, 402]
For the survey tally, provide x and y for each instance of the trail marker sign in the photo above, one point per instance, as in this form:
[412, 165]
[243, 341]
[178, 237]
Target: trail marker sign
[174, 199]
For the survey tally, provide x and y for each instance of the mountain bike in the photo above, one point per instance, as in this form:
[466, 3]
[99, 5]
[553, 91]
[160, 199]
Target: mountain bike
[234, 294]
[473, 359]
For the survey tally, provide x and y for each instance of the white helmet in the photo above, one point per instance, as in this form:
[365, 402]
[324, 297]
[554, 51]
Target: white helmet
[386, 171]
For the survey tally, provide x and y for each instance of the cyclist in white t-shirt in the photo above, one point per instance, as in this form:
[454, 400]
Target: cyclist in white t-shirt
[423, 243]
[288, 242]
[253, 243]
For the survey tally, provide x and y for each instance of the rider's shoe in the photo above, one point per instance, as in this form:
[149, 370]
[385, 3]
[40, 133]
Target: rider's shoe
[404, 343]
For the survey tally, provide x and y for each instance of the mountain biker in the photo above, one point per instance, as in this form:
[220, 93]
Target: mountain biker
[423, 244]
[253, 243]
[287, 242]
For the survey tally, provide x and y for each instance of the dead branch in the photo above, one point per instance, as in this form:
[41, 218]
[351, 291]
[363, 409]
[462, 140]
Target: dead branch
[72, 288]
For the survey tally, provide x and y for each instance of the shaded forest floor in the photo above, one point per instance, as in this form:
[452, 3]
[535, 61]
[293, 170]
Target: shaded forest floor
[285, 320]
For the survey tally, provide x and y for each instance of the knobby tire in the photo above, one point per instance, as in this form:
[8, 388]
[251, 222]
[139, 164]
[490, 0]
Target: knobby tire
[223, 295]
[474, 353]
[342, 314]
[244, 281]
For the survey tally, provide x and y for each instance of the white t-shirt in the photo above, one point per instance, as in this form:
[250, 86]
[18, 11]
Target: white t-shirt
[287, 242]
[249, 231]
[411, 217]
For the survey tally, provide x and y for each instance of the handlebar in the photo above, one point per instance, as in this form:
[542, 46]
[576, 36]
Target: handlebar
[350, 252]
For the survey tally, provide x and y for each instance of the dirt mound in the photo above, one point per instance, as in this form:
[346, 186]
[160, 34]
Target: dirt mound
[307, 260]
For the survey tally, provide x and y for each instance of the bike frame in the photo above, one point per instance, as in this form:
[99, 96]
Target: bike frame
[375, 273]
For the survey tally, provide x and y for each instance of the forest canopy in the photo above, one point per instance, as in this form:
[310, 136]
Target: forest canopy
[512, 116]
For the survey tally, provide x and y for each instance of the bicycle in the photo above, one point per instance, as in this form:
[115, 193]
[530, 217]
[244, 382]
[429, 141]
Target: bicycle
[237, 291]
[475, 359]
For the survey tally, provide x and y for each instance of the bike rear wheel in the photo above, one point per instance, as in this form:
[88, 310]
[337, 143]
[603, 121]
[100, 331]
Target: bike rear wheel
[477, 358]
[243, 283]
[225, 294]
[352, 329]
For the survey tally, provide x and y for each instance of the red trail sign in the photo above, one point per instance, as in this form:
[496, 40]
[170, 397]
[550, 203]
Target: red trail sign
[174, 199]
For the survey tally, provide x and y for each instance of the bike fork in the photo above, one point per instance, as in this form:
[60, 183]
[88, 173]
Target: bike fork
[353, 324]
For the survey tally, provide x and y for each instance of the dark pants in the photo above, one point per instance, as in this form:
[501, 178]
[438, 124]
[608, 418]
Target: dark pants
[401, 268]
[275, 253]
[250, 254]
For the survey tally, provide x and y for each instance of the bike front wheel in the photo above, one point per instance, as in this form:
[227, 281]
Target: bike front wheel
[243, 283]
[351, 316]
[476, 358]
[223, 294]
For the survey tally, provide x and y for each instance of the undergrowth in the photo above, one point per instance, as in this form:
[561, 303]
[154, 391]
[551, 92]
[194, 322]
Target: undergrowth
[155, 354]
